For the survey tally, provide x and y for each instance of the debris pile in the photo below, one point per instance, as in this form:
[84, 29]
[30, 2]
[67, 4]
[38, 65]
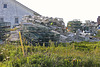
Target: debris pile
[80, 36]
[36, 33]
[90, 26]
[55, 24]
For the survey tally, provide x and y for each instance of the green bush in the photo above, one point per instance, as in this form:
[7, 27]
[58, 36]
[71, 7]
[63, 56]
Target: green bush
[83, 54]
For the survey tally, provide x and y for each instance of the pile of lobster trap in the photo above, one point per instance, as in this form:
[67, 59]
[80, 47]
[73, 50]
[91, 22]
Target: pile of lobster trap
[4, 30]
[36, 33]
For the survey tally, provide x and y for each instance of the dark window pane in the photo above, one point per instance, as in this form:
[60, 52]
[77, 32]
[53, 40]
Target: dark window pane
[1, 19]
[16, 20]
[5, 6]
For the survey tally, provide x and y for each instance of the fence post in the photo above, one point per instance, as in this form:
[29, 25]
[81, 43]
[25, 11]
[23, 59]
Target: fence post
[21, 43]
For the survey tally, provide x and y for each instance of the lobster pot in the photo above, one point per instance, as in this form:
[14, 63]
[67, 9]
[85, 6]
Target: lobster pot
[35, 33]
[4, 30]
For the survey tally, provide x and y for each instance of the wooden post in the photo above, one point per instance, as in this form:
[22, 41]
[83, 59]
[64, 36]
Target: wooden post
[21, 43]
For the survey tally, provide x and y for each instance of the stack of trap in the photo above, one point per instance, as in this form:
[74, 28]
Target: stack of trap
[4, 30]
[35, 33]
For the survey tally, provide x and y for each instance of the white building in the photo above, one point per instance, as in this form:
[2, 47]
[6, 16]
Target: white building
[13, 11]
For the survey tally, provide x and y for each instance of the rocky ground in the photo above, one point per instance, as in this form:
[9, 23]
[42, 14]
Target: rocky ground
[14, 36]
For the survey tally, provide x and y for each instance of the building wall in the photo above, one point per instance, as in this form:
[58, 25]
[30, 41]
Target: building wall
[13, 10]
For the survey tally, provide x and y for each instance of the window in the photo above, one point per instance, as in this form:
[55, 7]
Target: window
[1, 19]
[16, 20]
[5, 6]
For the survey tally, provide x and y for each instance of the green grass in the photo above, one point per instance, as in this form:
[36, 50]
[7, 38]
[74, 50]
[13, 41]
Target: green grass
[83, 54]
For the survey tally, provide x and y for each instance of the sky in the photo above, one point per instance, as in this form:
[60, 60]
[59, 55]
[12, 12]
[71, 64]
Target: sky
[66, 9]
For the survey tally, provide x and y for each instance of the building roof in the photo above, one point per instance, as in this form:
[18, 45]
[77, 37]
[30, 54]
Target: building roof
[35, 13]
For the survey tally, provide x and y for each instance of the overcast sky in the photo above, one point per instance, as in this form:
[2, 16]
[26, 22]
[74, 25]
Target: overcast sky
[66, 9]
